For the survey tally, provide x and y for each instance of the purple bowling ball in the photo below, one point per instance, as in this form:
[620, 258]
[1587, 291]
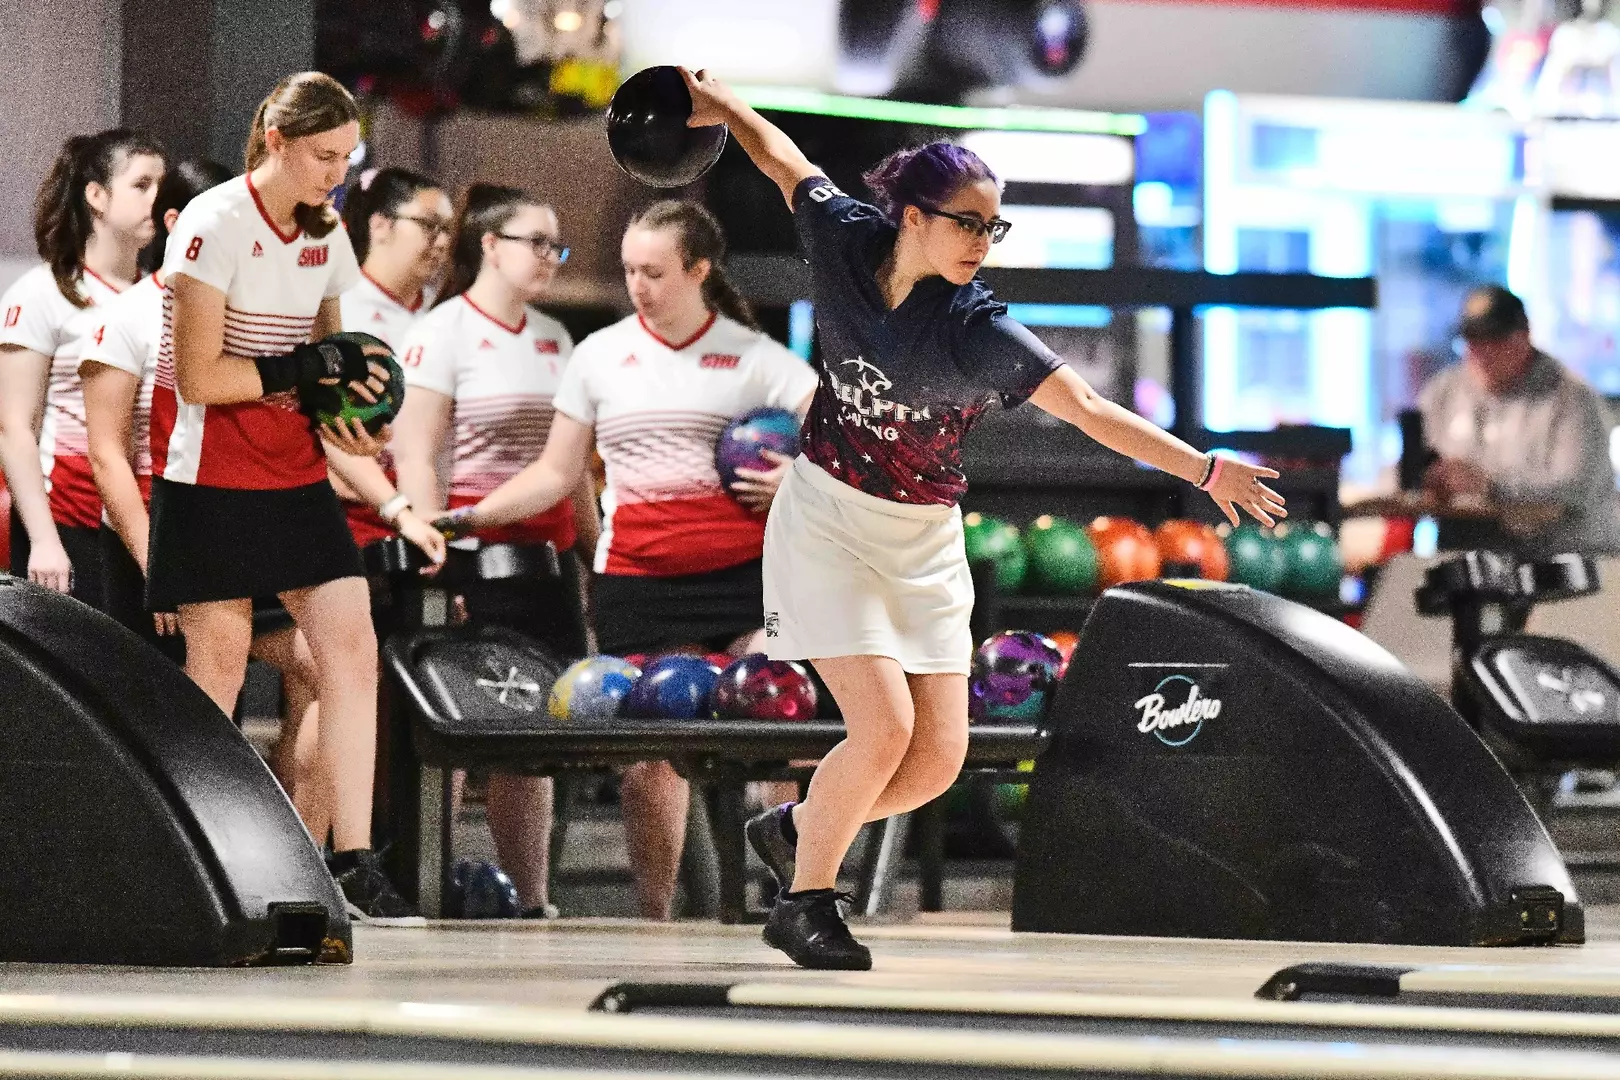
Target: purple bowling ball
[743, 439]
[1014, 675]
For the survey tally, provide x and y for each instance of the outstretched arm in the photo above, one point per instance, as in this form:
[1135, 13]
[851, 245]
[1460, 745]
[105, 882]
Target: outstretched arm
[776, 155]
[1233, 485]
[540, 486]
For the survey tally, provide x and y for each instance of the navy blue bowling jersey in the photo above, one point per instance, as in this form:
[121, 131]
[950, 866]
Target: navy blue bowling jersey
[900, 389]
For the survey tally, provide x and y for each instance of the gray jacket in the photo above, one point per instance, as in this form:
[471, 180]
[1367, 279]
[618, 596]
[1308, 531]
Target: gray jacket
[1544, 441]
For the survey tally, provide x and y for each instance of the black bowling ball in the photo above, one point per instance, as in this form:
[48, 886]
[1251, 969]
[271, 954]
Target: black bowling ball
[647, 132]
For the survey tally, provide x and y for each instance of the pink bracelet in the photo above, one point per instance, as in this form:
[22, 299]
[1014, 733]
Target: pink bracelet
[1214, 475]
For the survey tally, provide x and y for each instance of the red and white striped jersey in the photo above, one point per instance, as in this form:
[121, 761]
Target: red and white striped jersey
[273, 284]
[126, 336]
[36, 316]
[659, 408]
[500, 380]
[370, 308]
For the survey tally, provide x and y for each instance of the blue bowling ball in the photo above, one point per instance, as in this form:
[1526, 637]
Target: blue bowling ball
[481, 890]
[674, 687]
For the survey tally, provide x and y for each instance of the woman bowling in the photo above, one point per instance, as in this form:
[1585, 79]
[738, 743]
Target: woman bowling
[678, 565]
[864, 568]
[241, 506]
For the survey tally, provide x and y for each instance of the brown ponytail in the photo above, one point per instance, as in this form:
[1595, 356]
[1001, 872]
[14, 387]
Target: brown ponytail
[700, 237]
[63, 221]
[485, 208]
[301, 105]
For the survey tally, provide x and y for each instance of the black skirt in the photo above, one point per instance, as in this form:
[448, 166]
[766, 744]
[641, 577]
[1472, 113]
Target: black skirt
[212, 543]
[636, 614]
[83, 547]
[124, 588]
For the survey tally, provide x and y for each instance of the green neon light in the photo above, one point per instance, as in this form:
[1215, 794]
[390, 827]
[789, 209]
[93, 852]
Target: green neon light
[1024, 118]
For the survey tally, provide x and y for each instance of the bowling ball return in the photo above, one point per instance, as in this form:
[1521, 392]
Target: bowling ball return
[478, 699]
[1229, 764]
[137, 825]
[1544, 705]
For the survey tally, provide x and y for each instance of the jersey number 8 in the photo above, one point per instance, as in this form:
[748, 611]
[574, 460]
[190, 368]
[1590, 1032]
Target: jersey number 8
[194, 248]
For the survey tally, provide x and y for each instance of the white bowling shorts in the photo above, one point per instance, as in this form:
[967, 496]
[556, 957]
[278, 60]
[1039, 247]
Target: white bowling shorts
[849, 574]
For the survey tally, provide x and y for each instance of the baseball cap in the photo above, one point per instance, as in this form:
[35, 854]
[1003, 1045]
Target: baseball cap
[1491, 313]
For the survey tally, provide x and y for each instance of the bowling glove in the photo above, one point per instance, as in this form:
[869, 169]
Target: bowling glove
[340, 357]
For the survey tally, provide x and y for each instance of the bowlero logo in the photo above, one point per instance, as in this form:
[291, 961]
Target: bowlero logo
[1175, 701]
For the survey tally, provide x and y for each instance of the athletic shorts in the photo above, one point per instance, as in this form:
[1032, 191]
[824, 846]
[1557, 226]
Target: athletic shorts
[850, 574]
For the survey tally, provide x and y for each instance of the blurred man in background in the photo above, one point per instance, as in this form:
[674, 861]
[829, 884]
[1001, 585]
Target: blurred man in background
[1520, 439]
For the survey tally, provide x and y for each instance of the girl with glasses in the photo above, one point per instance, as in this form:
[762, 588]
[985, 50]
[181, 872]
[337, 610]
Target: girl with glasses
[865, 573]
[482, 368]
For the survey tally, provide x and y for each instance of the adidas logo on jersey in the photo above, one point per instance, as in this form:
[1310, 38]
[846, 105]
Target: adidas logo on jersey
[549, 347]
[630, 361]
[312, 256]
[720, 361]
[377, 316]
[486, 344]
[258, 250]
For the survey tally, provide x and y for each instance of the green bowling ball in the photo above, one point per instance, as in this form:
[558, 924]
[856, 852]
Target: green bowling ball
[989, 539]
[1062, 559]
[1315, 568]
[1011, 567]
[1257, 557]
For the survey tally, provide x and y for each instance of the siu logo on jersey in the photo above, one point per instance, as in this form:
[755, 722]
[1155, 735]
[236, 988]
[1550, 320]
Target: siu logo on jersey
[719, 361]
[312, 256]
[547, 348]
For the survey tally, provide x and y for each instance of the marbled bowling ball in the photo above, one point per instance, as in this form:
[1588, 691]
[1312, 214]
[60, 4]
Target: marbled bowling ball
[756, 687]
[1013, 677]
[743, 442]
[592, 689]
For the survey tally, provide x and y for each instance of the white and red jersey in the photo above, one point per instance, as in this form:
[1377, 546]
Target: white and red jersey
[126, 335]
[500, 380]
[36, 316]
[274, 284]
[659, 408]
[369, 308]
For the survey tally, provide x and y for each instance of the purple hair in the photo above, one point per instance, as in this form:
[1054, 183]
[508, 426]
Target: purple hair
[928, 174]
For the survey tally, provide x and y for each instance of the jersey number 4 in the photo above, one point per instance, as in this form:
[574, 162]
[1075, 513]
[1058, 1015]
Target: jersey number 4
[194, 248]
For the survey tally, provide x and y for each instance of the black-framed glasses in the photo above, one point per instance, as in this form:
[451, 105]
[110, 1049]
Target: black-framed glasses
[434, 227]
[544, 247]
[995, 227]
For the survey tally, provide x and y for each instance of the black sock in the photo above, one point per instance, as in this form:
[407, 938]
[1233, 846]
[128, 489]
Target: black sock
[790, 832]
[340, 862]
[802, 893]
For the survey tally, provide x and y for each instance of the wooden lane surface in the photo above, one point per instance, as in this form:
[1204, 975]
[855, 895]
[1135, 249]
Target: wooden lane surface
[569, 962]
